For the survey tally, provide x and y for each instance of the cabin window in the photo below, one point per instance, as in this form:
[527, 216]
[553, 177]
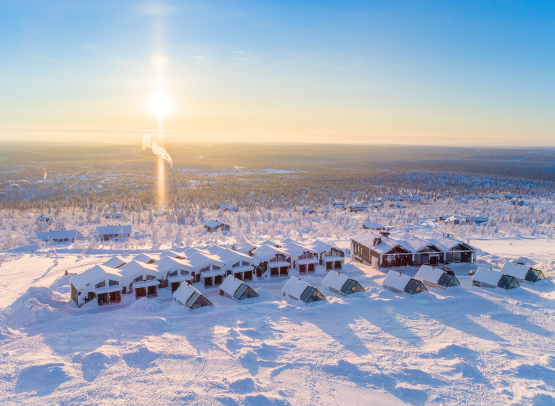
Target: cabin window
[235, 265]
[174, 273]
[100, 285]
[205, 269]
[113, 283]
[150, 277]
[215, 268]
[184, 272]
[245, 263]
[138, 279]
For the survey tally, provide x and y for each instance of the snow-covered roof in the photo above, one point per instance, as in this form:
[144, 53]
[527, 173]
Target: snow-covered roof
[515, 270]
[396, 280]
[114, 215]
[171, 254]
[184, 293]
[114, 229]
[296, 250]
[192, 251]
[230, 257]
[133, 268]
[168, 264]
[58, 235]
[269, 242]
[213, 223]
[335, 280]
[427, 273]
[487, 275]
[43, 218]
[201, 260]
[145, 258]
[480, 219]
[230, 285]
[159, 212]
[266, 252]
[321, 246]
[295, 287]
[114, 262]
[95, 273]
[214, 249]
[244, 247]
[372, 225]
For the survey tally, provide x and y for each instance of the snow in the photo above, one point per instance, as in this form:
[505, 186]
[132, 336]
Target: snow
[427, 273]
[295, 287]
[230, 285]
[114, 262]
[487, 275]
[335, 280]
[516, 270]
[460, 346]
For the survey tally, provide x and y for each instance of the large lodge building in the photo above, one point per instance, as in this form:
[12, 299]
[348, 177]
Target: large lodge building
[382, 249]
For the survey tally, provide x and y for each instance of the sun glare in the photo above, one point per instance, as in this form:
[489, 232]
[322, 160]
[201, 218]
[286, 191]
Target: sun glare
[160, 104]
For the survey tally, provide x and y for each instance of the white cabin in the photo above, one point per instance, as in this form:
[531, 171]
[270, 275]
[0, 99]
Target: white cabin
[399, 283]
[236, 289]
[340, 283]
[99, 282]
[189, 296]
[298, 289]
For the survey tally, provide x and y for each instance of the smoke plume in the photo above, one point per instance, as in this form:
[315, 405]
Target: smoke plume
[44, 173]
[156, 149]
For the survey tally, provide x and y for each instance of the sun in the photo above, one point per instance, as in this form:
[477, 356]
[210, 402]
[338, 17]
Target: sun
[160, 104]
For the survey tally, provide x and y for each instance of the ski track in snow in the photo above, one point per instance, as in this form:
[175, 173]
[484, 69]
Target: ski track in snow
[464, 345]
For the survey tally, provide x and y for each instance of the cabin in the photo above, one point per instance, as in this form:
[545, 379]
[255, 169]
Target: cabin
[396, 205]
[399, 283]
[160, 213]
[489, 278]
[112, 215]
[436, 277]
[45, 219]
[114, 233]
[207, 269]
[329, 255]
[143, 279]
[215, 225]
[146, 259]
[59, 236]
[239, 265]
[236, 289]
[339, 283]
[339, 205]
[371, 225]
[175, 271]
[522, 273]
[356, 208]
[99, 282]
[114, 262]
[308, 211]
[517, 202]
[277, 260]
[304, 259]
[189, 296]
[455, 251]
[477, 219]
[298, 289]
[245, 248]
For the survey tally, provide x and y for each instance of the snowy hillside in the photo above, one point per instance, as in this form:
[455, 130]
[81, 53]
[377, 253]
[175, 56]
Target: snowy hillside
[461, 345]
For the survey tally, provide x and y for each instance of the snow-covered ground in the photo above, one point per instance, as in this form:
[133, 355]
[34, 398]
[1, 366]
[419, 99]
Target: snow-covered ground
[463, 345]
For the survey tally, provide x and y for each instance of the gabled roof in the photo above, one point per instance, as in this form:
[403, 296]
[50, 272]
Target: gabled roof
[146, 258]
[214, 249]
[230, 257]
[171, 254]
[244, 247]
[296, 250]
[184, 292]
[487, 275]
[114, 229]
[230, 285]
[200, 260]
[213, 223]
[295, 287]
[321, 246]
[396, 280]
[134, 268]
[159, 212]
[167, 264]
[265, 252]
[114, 262]
[56, 235]
[372, 225]
[192, 251]
[427, 273]
[269, 242]
[335, 280]
[95, 273]
[516, 270]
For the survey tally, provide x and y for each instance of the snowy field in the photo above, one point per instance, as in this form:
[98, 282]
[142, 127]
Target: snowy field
[464, 345]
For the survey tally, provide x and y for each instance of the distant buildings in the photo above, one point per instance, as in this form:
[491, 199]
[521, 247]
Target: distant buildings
[215, 225]
[114, 233]
[59, 236]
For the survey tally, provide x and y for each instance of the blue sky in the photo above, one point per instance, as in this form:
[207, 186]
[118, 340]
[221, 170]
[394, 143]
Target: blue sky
[402, 72]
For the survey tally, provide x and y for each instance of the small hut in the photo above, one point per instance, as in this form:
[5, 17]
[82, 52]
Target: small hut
[436, 277]
[397, 282]
[522, 273]
[339, 283]
[489, 278]
[298, 289]
[189, 296]
[234, 288]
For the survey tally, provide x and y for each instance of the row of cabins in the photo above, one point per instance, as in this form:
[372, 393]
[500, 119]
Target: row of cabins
[510, 276]
[209, 267]
[383, 249]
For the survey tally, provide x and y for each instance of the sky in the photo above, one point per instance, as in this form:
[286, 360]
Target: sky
[363, 72]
